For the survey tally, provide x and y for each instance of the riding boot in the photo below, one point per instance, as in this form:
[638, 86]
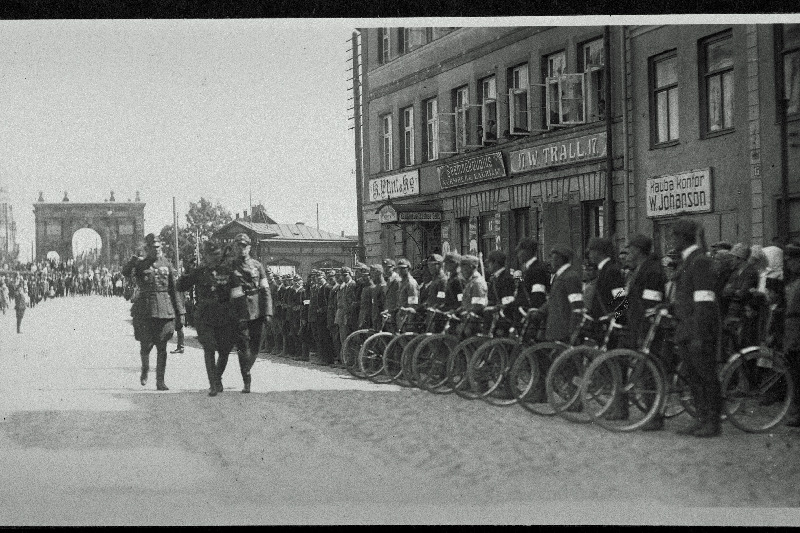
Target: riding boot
[247, 379]
[161, 367]
[211, 372]
[145, 367]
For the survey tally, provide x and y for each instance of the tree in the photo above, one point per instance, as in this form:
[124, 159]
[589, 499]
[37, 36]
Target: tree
[202, 217]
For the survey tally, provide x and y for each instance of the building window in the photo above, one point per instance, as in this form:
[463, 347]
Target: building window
[487, 113]
[522, 226]
[407, 116]
[592, 63]
[486, 239]
[386, 144]
[384, 45]
[431, 131]
[519, 117]
[463, 234]
[565, 100]
[592, 220]
[664, 98]
[461, 110]
[411, 39]
[716, 54]
[791, 68]
[428, 35]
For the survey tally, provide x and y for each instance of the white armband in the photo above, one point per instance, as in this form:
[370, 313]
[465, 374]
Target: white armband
[704, 296]
[505, 300]
[236, 292]
[413, 300]
[264, 284]
[538, 288]
[306, 302]
[619, 291]
[440, 294]
[575, 297]
[460, 297]
[480, 300]
[652, 295]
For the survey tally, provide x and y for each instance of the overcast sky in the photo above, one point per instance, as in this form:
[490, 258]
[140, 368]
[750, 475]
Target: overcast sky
[183, 108]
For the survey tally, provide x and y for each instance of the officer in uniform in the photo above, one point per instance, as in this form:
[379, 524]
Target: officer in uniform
[288, 315]
[280, 315]
[180, 320]
[377, 297]
[157, 305]
[251, 304]
[345, 300]
[267, 336]
[392, 291]
[301, 319]
[365, 301]
[274, 287]
[215, 327]
[697, 329]
[333, 328]
[317, 311]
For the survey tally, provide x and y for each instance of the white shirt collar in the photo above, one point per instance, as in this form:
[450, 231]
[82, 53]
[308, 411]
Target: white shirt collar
[602, 263]
[530, 262]
[687, 252]
[562, 269]
[497, 274]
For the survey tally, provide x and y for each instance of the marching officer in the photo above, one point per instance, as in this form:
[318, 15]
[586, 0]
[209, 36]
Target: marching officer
[156, 306]
[697, 329]
[216, 330]
[251, 305]
[180, 320]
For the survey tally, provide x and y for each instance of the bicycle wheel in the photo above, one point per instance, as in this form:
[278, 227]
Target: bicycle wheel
[429, 362]
[370, 358]
[623, 390]
[350, 349]
[563, 382]
[458, 363]
[678, 397]
[407, 359]
[526, 377]
[487, 369]
[757, 390]
[392, 358]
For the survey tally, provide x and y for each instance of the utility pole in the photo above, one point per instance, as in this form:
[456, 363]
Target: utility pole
[357, 73]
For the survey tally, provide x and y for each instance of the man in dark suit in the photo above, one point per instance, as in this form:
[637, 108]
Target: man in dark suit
[535, 276]
[610, 287]
[697, 329]
[565, 301]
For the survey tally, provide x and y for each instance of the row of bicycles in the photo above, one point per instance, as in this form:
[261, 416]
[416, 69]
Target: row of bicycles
[585, 380]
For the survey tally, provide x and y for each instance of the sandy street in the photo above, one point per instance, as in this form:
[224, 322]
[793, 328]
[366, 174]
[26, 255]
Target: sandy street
[82, 443]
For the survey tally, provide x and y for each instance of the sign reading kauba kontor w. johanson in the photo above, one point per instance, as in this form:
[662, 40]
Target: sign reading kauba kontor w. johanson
[672, 194]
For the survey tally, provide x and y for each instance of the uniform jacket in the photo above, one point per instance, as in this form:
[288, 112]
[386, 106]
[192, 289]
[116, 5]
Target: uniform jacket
[436, 293]
[791, 335]
[535, 284]
[610, 289]
[250, 279]
[645, 290]
[696, 306]
[317, 306]
[392, 289]
[156, 281]
[212, 294]
[332, 304]
[354, 306]
[365, 308]
[378, 303]
[345, 298]
[565, 298]
[408, 293]
[453, 293]
[501, 287]
[475, 293]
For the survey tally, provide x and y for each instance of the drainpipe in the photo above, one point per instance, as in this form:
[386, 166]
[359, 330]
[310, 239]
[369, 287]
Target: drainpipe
[610, 216]
[625, 172]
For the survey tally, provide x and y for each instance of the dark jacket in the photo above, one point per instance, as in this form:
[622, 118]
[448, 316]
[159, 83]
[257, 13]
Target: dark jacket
[212, 294]
[696, 307]
[501, 287]
[535, 286]
[645, 290]
[610, 289]
[255, 301]
[566, 297]
[156, 281]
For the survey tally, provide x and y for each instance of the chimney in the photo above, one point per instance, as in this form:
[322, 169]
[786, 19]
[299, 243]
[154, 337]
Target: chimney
[244, 214]
[237, 216]
[342, 233]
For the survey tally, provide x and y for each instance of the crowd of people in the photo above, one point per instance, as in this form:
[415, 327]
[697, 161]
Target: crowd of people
[719, 295]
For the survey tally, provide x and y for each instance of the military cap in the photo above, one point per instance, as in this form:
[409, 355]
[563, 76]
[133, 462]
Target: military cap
[151, 239]
[564, 251]
[377, 267]
[642, 242]
[722, 245]
[345, 270]
[686, 227]
[403, 263]
[389, 262]
[470, 260]
[740, 250]
[242, 238]
[453, 257]
[435, 258]
[792, 251]
[361, 266]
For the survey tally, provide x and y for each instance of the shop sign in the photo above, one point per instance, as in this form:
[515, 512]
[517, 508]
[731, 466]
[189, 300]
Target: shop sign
[472, 170]
[420, 216]
[687, 192]
[575, 150]
[394, 186]
[387, 214]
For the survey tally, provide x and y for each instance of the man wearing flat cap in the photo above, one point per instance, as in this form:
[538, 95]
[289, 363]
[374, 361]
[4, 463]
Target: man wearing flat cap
[216, 330]
[435, 293]
[251, 305]
[697, 329]
[156, 306]
[791, 334]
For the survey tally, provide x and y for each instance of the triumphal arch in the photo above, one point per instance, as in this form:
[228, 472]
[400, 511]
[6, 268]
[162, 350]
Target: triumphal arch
[119, 224]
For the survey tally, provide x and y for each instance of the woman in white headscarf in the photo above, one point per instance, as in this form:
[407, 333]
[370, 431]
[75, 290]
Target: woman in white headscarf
[771, 284]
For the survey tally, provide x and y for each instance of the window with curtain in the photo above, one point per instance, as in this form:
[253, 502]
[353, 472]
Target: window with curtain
[664, 98]
[717, 67]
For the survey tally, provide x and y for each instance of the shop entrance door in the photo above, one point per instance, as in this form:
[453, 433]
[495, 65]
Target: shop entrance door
[561, 225]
